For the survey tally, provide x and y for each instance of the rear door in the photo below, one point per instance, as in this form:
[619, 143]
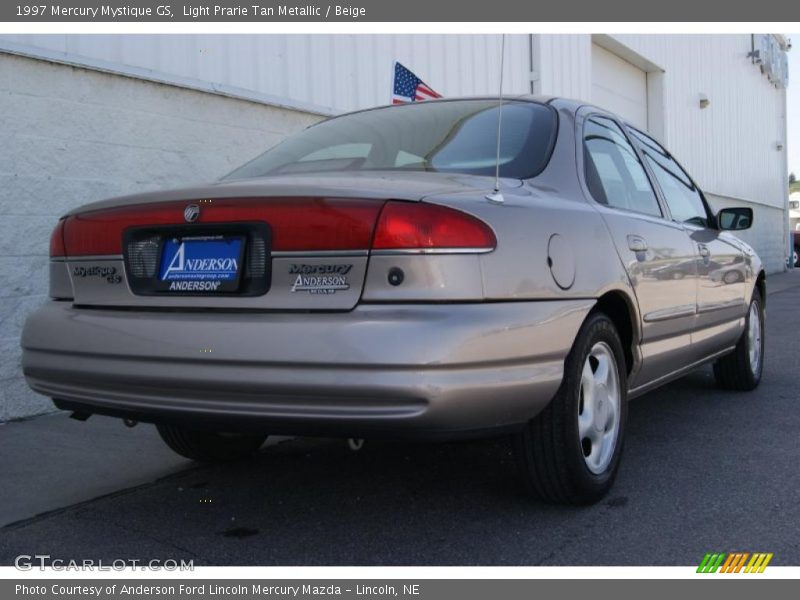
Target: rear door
[657, 253]
[721, 266]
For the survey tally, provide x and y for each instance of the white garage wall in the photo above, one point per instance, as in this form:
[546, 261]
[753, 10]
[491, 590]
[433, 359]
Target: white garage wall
[563, 65]
[730, 147]
[619, 86]
[326, 73]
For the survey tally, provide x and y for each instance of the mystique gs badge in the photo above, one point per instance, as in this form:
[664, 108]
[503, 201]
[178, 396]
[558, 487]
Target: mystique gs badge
[320, 279]
[105, 272]
[191, 213]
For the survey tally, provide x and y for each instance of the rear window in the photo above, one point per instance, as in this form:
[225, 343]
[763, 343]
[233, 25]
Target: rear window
[452, 136]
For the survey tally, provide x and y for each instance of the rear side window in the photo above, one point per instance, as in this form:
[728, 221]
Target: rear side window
[682, 196]
[614, 174]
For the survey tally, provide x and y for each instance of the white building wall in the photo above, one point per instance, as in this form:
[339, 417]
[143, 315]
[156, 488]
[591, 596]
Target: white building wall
[736, 147]
[71, 136]
[563, 65]
[325, 73]
[731, 148]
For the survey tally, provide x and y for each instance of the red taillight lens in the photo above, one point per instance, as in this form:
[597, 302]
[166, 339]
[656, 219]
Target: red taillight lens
[57, 241]
[421, 226]
[297, 224]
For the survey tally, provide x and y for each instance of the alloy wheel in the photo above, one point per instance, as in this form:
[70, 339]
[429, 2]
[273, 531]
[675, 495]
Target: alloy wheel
[599, 408]
[754, 338]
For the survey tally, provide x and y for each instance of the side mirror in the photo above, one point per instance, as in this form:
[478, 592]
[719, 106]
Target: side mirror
[735, 219]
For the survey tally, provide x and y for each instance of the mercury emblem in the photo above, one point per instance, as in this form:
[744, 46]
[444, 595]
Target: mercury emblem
[191, 213]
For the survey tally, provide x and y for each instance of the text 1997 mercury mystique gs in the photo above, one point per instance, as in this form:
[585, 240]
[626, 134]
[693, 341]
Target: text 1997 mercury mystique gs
[362, 279]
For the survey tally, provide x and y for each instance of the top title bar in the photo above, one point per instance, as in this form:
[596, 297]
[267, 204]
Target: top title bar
[406, 11]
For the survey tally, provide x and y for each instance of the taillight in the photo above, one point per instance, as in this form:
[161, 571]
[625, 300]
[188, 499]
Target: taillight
[57, 248]
[297, 224]
[430, 227]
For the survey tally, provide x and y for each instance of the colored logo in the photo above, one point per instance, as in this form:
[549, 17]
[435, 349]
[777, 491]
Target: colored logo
[735, 562]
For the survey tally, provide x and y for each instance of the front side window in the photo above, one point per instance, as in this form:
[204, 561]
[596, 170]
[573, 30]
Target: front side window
[614, 174]
[451, 136]
[682, 196]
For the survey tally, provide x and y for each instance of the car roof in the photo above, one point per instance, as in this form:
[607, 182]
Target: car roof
[558, 102]
[511, 97]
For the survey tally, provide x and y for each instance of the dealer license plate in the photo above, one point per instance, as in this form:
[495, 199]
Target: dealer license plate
[201, 264]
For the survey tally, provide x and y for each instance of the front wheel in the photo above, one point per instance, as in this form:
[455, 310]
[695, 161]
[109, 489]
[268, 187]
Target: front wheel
[570, 453]
[209, 446]
[742, 368]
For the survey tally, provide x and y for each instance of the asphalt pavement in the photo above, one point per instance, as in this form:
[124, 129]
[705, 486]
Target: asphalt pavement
[703, 471]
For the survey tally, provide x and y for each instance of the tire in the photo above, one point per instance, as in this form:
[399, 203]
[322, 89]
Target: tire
[742, 368]
[551, 449]
[796, 258]
[209, 446]
[678, 275]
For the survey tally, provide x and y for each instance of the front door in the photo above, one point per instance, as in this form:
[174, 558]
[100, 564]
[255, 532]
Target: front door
[722, 269]
[723, 274]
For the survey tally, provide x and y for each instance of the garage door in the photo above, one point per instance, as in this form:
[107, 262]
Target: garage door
[619, 86]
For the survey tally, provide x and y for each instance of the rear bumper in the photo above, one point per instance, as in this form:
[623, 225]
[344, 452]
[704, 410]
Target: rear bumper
[379, 369]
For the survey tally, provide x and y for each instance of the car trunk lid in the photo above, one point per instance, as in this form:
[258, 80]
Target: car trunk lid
[299, 253]
[256, 244]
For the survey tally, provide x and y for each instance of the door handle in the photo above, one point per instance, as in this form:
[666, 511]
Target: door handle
[703, 250]
[637, 243]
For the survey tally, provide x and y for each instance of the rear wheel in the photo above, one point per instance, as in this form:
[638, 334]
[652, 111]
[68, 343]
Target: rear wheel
[742, 368]
[570, 453]
[209, 446]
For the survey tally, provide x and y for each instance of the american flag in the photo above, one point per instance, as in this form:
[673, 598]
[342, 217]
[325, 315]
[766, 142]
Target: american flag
[410, 88]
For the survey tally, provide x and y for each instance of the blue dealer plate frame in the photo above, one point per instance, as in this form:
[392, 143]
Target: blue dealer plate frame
[248, 283]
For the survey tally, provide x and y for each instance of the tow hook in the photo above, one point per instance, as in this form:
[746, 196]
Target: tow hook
[130, 423]
[355, 444]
